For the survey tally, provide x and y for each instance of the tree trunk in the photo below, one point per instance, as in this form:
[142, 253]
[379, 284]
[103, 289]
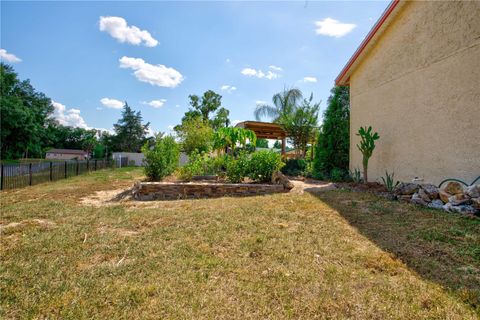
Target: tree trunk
[365, 171]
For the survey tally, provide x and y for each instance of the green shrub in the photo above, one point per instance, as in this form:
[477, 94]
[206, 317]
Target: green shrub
[202, 164]
[295, 167]
[162, 159]
[237, 168]
[263, 164]
[337, 175]
[333, 143]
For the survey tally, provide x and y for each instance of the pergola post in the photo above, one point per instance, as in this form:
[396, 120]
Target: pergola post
[283, 147]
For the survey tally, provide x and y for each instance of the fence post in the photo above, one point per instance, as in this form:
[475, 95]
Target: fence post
[30, 173]
[65, 169]
[88, 165]
[1, 178]
[51, 171]
[95, 168]
[77, 167]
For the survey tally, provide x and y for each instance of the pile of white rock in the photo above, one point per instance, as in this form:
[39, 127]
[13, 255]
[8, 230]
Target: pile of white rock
[452, 197]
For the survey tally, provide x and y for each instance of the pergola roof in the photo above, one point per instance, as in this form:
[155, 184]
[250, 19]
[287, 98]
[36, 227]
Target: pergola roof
[264, 130]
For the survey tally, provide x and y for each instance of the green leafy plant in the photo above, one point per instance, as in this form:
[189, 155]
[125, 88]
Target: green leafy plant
[237, 168]
[229, 137]
[337, 175]
[263, 164]
[161, 160]
[366, 147]
[333, 140]
[356, 175]
[389, 182]
[295, 167]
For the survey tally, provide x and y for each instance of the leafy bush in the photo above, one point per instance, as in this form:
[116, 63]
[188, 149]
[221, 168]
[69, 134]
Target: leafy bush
[263, 164]
[337, 175]
[162, 159]
[202, 164]
[237, 168]
[295, 167]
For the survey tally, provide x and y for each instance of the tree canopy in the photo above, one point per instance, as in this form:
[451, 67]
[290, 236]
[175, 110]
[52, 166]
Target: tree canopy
[130, 132]
[25, 113]
[332, 149]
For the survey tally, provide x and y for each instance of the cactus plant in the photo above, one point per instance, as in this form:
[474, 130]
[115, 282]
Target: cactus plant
[366, 147]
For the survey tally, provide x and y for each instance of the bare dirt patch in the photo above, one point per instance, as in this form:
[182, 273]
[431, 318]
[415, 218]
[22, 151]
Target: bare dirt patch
[13, 227]
[309, 185]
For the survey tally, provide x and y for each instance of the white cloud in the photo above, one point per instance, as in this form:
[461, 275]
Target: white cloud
[158, 75]
[9, 57]
[227, 60]
[118, 28]
[112, 103]
[309, 79]
[333, 28]
[260, 102]
[155, 103]
[276, 68]
[249, 72]
[228, 88]
[68, 117]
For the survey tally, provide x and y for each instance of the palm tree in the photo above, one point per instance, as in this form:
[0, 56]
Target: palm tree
[284, 104]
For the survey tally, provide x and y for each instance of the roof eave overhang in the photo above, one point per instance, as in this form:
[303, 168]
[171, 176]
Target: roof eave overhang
[343, 79]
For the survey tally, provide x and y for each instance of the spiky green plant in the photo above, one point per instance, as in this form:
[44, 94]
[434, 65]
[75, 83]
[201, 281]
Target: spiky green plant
[366, 147]
[356, 175]
[389, 182]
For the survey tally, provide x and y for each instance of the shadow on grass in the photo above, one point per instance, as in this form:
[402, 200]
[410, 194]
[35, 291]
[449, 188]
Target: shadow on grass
[438, 246]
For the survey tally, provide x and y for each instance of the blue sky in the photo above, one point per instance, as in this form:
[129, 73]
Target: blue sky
[155, 54]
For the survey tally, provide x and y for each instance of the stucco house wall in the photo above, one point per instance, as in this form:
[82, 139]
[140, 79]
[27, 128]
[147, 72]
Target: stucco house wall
[419, 87]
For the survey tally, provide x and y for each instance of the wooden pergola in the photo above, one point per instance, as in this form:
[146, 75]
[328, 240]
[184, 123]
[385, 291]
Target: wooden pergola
[266, 130]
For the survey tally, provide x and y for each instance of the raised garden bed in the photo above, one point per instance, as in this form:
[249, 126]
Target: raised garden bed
[146, 191]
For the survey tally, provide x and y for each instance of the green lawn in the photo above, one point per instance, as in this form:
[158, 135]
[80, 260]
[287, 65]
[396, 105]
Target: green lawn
[334, 255]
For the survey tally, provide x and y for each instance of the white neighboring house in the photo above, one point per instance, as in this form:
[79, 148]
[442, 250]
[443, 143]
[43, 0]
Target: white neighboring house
[136, 159]
[133, 158]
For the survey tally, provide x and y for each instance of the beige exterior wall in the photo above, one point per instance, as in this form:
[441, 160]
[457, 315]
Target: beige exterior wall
[419, 87]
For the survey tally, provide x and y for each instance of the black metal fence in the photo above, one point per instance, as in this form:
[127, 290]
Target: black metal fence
[14, 176]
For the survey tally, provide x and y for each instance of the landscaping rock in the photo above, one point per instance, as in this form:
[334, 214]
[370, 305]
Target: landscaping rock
[473, 191]
[417, 199]
[280, 178]
[436, 204]
[453, 187]
[431, 190]
[406, 188]
[444, 196]
[476, 203]
[459, 199]
[405, 198]
[423, 195]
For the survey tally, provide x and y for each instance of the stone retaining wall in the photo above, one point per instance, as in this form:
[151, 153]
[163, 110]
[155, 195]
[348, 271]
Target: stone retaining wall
[181, 190]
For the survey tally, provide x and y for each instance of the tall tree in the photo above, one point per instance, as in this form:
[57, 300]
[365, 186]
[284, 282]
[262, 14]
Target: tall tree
[205, 106]
[332, 149]
[130, 132]
[24, 115]
[301, 125]
[284, 104]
